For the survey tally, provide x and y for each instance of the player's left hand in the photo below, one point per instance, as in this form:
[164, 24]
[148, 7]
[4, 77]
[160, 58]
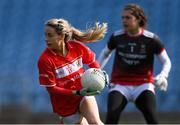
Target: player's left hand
[106, 78]
[86, 92]
[160, 82]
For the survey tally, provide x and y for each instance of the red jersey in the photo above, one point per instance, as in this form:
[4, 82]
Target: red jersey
[134, 57]
[65, 72]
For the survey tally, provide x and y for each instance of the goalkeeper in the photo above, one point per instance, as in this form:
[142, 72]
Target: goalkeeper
[132, 73]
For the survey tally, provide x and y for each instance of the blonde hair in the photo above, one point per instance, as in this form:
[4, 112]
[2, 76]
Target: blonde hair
[90, 35]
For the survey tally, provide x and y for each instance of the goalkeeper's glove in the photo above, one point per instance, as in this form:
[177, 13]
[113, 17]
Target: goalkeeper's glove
[160, 82]
[106, 78]
[85, 92]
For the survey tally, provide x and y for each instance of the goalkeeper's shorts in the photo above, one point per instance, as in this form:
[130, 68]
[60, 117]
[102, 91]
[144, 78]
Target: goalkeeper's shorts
[132, 92]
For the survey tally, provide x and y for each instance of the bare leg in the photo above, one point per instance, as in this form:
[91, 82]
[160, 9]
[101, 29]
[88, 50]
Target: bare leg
[83, 122]
[89, 109]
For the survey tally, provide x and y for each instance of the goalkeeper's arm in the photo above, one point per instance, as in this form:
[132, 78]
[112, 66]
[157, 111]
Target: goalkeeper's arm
[161, 78]
[166, 63]
[104, 56]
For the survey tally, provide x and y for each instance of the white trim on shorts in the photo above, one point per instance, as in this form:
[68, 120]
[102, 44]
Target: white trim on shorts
[76, 117]
[132, 92]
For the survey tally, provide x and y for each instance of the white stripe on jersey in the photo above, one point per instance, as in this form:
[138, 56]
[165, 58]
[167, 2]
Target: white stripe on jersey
[148, 34]
[46, 85]
[44, 75]
[69, 68]
[118, 32]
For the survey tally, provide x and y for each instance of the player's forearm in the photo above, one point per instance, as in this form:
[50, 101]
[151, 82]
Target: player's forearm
[104, 57]
[58, 90]
[166, 63]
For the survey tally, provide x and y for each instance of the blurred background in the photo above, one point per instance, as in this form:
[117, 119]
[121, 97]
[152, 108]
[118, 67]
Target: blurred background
[22, 100]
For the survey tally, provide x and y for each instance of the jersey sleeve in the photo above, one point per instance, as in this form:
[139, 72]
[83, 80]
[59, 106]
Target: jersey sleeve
[158, 47]
[46, 74]
[111, 43]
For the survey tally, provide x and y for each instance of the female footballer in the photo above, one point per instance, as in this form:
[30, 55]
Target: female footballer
[61, 66]
[132, 73]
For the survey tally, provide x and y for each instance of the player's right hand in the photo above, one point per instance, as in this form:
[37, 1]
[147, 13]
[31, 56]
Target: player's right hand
[85, 92]
[160, 82]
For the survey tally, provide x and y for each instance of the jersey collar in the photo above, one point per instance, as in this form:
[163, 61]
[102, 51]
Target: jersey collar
[139, 34]
[69, 46]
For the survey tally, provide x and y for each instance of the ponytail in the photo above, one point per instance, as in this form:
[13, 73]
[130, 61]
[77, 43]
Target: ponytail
[93, 34]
